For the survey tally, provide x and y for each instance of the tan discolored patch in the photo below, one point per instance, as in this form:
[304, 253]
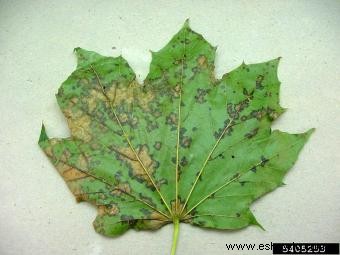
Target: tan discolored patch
[80, 127]
[82, 161]
[84, 81]
[202, 61]
[178, 208]
[119, 93]
[123, 117]
[71, 113]
[171, 119]
[145, 99]
[95, 146]
[74, 100]
[133, 121]
[81, 197]
[48, 150]
[108, 210]
[73, 174]
[177, 90]
[158, 220]
[121, 188]
[94, 98]
[157, 216]
[137, 170]
[65, 155]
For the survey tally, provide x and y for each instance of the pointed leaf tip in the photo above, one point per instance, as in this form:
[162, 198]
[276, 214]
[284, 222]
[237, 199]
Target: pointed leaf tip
[79, 52]
[256, 223]
[43, 136]
[309, 132]
[86, 57]
[186, 23]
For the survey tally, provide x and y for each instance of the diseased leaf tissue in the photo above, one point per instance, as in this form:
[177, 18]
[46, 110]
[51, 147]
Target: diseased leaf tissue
[182, 147]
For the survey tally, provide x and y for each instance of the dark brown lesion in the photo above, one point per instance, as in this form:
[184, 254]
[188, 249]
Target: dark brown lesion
[121, 188]
[157, 145]
[183, 162]
[152, 125]
[176, 91]
[133, 122]
[200, 96]
[234, 110]
[259, 81]
[171, 119]
[227, 129]
[128, 219]
[261, 113]
[185, 141]
[251, 133]
[123, 118]
[155, 111]
[248, 94]
[272, 114]
[147, 199]
[258, 114]
[111, 210]
[264, 161]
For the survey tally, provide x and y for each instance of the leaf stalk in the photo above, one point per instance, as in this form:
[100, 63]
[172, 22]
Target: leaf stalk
[175, 236]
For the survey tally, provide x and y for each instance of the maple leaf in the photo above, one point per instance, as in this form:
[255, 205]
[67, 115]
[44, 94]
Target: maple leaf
[182, 147]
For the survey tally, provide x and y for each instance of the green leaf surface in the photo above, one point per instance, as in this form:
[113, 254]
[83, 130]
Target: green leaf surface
[182, 147]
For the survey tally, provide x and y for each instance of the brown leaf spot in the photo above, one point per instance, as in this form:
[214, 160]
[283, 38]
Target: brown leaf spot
[259, 81]
[82, 162]
[133, 122]
[158, 220]
[123, 118]
[108, 210]
[200, 96]
[251, 133]
[186, 141]
[177, 90]
[171, 119]
[121, 188]
[73, 174]
[157, 145]
[202, 61]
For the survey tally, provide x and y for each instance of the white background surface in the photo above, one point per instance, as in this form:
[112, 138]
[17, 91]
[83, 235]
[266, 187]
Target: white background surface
[38, 214]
